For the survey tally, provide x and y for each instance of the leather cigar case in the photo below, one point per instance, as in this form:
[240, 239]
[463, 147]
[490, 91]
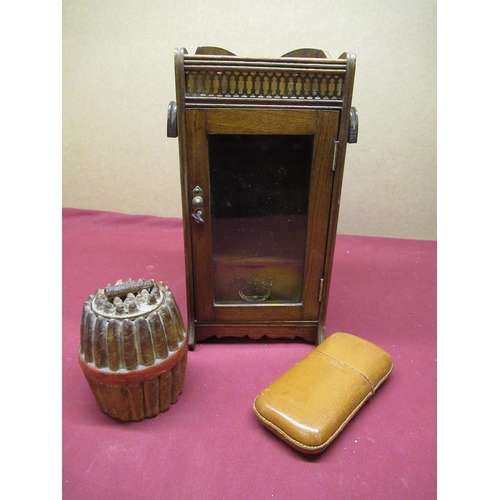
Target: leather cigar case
[309, 405]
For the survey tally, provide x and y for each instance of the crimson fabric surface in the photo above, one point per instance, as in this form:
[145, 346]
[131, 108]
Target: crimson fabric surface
[210, 444]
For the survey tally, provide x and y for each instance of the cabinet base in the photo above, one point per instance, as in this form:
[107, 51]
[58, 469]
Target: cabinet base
[307, 330]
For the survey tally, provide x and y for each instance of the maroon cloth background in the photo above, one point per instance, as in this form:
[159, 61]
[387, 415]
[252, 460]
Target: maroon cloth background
[210, 444]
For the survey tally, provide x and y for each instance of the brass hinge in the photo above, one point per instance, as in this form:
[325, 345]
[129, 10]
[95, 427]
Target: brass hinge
[335, 151]
[320, 293]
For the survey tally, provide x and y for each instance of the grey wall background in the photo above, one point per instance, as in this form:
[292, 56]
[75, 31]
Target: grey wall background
[118, 78]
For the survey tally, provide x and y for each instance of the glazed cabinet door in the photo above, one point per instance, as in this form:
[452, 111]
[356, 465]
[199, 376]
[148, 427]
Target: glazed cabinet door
[260, 184]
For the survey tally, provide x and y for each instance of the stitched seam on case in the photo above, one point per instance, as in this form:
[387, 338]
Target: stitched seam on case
[349, 366]
[384, 379]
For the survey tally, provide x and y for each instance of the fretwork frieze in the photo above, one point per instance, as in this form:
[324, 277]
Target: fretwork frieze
[277, 85]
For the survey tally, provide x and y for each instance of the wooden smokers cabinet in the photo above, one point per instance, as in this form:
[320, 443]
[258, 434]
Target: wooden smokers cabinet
[262, 144]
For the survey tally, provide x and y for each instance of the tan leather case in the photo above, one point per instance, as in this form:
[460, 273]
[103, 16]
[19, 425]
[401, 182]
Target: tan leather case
[311, 403]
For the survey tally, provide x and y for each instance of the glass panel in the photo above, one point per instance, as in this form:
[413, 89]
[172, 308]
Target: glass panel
[259, 197]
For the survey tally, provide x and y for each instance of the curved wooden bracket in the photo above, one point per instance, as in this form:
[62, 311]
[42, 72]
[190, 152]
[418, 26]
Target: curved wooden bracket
[308, 53]
[213, 51]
